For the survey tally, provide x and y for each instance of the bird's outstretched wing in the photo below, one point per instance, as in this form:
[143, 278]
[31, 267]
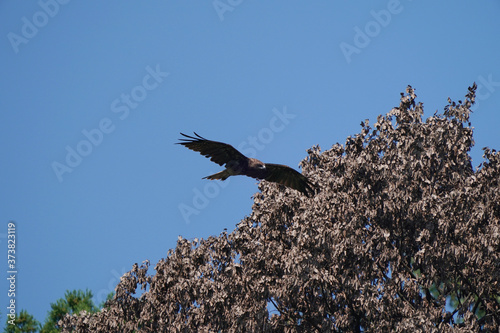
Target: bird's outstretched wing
[218, 152]
[289, 177]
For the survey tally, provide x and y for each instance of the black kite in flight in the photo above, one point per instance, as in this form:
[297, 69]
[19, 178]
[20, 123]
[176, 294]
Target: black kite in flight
[238, 164]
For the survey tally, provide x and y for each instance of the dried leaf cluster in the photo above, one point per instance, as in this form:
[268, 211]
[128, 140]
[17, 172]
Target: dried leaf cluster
[403, 235]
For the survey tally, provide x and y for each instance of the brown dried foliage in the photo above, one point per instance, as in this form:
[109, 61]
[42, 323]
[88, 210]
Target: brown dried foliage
[400, 225]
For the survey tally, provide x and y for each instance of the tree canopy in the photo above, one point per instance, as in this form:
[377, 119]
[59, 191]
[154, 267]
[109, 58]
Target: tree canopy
[403, 235]
[73, 303]
[23, 323]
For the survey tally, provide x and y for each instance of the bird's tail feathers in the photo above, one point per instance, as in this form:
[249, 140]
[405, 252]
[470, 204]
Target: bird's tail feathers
[220, 175]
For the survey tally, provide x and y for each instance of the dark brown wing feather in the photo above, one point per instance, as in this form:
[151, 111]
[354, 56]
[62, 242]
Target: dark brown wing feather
[218, 152]
[289, 177]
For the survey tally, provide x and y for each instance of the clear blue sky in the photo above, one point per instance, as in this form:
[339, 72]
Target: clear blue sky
[94, 95]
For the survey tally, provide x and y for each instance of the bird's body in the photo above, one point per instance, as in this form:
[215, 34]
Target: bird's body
[238, 164]
[247, 167]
